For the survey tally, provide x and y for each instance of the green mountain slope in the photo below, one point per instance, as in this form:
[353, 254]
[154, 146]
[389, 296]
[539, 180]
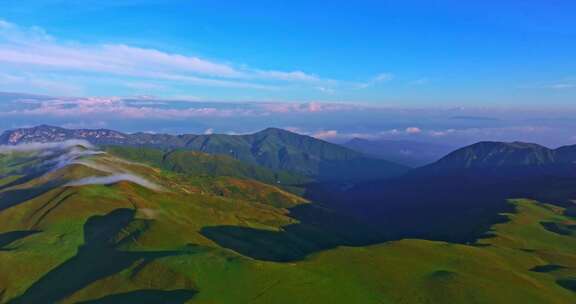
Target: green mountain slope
[497, 154]
[275, 149]
[203, 164]
[91, 227]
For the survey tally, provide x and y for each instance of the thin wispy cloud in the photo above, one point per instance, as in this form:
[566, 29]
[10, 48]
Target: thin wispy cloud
[113, 179]
[380, 78]
[560, 86]
[326, 120]
[37, 52]
[30, 147]
[105, 108]
[309, 107]
[117, 107]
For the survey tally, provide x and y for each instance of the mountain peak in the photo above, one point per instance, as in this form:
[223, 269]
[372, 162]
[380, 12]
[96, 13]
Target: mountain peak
[493, 154]
[276, 131]
[512, 145]
[273, 148]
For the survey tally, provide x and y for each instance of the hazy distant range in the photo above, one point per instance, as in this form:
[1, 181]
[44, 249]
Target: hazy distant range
[406, 152]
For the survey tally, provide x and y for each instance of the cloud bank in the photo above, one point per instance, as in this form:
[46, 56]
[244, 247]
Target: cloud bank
[45, 147]
[61, 154]
[112, 179]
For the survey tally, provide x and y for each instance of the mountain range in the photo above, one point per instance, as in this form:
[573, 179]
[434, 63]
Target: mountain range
[406, 152]
[468, 189]
[501, 159]
[283, 151]
[141, 224]
[272, 148]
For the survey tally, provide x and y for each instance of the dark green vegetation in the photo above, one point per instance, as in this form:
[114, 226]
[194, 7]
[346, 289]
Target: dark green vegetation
[206, 165]
[468, 189]
[491, 155]
[211, 229]
[272, 148]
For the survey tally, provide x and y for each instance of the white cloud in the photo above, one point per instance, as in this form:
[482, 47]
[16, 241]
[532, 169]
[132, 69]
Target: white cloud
[309, 107]
[30, 147]
[563, 84]
[289, 76]
[326, 90]
[5, 25]
[33, 49]
[384, 77]
[146, 86]
[328, 134]
[115, 178]
[413, 130]
[102, 109]
[560, 86]
[114, 107]
[380, 78]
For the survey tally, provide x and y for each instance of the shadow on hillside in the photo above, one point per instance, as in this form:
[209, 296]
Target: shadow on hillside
[12, 198]
[8, 238]
[568, 283]
[318, 229]
[456, 208]
[23, 179]
[459, 209]
[375, 213]
[147, 296]
[559, 228]
[358, 169]
[98, 258]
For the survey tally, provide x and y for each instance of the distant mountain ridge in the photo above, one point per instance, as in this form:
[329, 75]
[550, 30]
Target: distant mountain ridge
[273, 148]
[500, 154]
[468, 189]
[406, 152]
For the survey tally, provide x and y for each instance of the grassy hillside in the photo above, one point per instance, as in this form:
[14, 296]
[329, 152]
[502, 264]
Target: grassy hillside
[208, 239]
[193, 163]
[278, 149]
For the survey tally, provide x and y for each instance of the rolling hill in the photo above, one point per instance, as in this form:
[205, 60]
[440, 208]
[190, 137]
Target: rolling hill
[194, 163]
[80, 225]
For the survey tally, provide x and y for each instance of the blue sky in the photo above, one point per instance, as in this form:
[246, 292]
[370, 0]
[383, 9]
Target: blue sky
[402, 53]
[445, 71]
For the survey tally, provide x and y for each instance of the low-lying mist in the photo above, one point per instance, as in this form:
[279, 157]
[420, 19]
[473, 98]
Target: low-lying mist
[46, 147]
[115, 178]
[58, 155]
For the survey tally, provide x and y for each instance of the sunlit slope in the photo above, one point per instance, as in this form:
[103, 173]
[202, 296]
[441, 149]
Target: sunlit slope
[198, 164]
[153, 236]
[44, 217]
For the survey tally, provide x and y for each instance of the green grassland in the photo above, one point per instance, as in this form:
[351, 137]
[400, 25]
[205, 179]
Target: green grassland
[125, 243]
